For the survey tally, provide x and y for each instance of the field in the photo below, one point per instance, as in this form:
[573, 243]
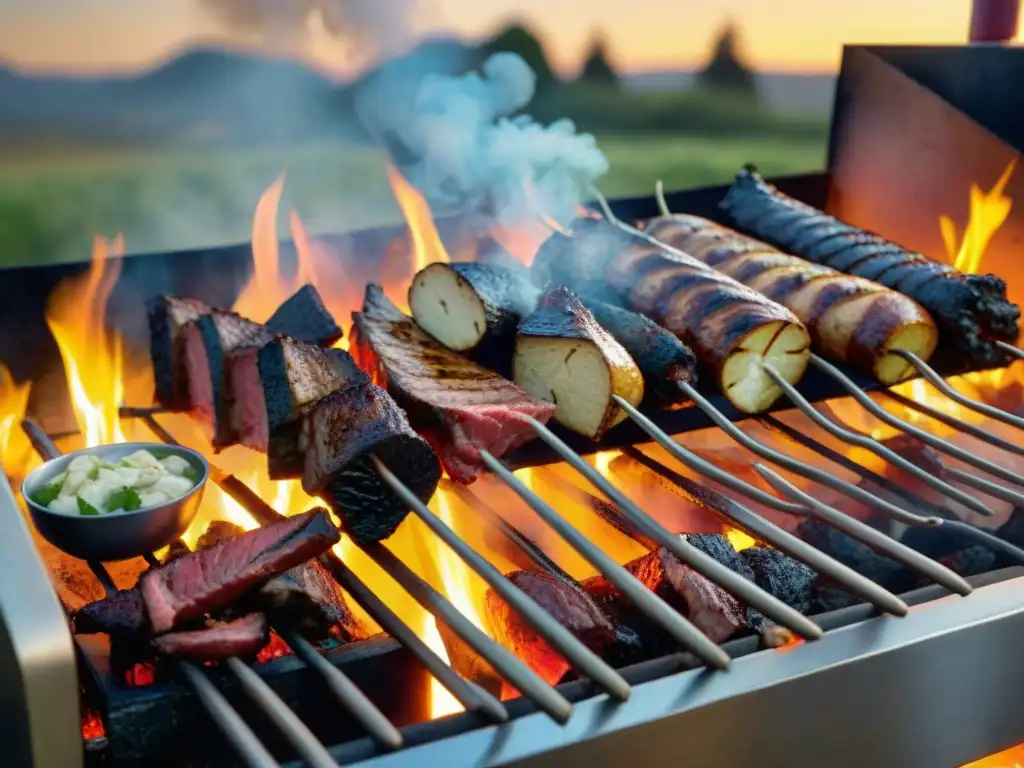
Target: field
[51, 203]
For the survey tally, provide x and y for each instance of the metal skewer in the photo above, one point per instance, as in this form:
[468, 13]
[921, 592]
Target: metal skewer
[1010, 349]
[935, 442]
[968, 402]
[508, 665]
[628, 585]
[732, 582]
[863, 441]
[472, 697]
[568, 645]
[794, 465]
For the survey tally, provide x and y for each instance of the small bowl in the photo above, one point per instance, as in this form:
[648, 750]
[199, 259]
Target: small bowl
[117, 535]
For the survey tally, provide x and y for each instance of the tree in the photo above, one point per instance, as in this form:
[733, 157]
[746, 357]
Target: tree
[726, 69]
[596, 67]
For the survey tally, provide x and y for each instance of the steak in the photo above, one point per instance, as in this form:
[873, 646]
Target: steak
[340, 435]
[122, 614]
[167, 317]
[303, 316]
[459, 406]
[242, 637]
[305, 598]
[209, 580]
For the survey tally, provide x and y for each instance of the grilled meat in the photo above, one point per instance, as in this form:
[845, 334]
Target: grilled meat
[305, 598]
[121, 614]
[472, 308]
[732, 330]
[212, 579]
[459, 406]
[221, 640]
[971, 311]
[340, 435]
[852, 320]
[303, 316]
[167, 316]
[563, 356]
[661, 357]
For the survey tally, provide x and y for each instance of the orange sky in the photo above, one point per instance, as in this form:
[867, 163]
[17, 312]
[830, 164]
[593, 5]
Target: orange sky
[796, 35]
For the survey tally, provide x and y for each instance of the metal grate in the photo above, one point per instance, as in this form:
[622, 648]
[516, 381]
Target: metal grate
[629, 518]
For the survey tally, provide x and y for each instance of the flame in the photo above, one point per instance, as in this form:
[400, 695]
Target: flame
[988, 212]
[739, 539]
[15, 449]
[1008, 758]
[426, 242]
[75, 313]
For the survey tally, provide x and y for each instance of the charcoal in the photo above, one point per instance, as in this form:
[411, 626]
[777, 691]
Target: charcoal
[1012, 531]
[720, 548]
[828, 597]
[852, 553]
[781, 576]
[936, 542]
[971, 561]
[303, 316]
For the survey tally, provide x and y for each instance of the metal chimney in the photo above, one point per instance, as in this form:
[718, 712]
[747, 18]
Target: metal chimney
[994, 21]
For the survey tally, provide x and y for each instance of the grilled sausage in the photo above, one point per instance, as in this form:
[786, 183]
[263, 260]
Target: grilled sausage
[971, 311]
[733, 330]
[851, 320]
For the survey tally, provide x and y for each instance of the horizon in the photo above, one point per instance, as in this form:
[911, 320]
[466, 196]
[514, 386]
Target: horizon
[103, 37]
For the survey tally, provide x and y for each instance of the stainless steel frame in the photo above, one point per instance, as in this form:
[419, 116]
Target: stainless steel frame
[40, 723]
[939, 687]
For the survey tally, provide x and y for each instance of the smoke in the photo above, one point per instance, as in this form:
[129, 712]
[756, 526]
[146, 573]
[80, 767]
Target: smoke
[365, 26]
[456, 139]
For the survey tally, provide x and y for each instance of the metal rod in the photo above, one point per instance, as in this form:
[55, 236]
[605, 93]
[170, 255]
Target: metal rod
[765, 530]
[583, 659]
[985, 485]
[228, 721]
[707, 566]
[876, 447]
[288, 723]
[986, 539]
[626, 583]
[958, 424]
[1010, 349]
[506, 663]
[794, 465]
[472, 697]
[343, 689]
[876, 540]
[41, 441]
[968, 402]
[935, 442]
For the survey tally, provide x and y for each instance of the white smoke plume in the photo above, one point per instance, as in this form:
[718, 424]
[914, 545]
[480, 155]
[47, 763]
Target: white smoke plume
[465, 151]
[367, 26]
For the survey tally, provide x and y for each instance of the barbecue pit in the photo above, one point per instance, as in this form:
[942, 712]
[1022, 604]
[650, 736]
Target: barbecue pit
[920, 687]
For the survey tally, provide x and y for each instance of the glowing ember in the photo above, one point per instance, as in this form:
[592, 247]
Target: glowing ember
[739, 539]
[75, 313]
[15, 449]
[426, 242]
[92, 725]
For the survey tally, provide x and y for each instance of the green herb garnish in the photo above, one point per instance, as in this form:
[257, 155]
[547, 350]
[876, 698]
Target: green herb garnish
[161, 455]
[126, 499]
[85, 508]
[94, 473]
[48, 493]
[191, 473]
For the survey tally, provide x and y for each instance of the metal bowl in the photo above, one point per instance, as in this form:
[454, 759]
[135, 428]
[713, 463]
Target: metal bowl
[117, 535]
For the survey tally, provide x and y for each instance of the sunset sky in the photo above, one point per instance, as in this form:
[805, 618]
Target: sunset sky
[792, 35]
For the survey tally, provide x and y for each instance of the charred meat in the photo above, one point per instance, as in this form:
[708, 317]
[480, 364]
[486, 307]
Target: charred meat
[122, 614]
[304, 317]
[564, 357]
[662, 358]
[209, 580]
[733, 330]
[167, 317]
[852, 320]
[340, 436]
[456, 404]
[971, 311]
[220, 640]
[472, 308]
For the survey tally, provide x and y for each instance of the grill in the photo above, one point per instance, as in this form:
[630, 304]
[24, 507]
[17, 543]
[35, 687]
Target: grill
[902, 677]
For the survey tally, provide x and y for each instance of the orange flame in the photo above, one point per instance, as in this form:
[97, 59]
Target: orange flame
[426, 242]
[989, 211]
[15, 449]
[1008, 758]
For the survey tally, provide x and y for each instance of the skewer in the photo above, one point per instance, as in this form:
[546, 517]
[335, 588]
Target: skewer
[470, 696]
[986, 486]
[935, 442]
[781, 539]
[864, 441]
[568, 645]
[1010, 349]
[707, 566]
[508, 665]
[646, 601]
[794, 465]
[943, 386]
[876, 540]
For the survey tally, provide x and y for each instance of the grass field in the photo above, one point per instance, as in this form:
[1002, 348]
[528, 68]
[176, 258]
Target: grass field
[52, 203]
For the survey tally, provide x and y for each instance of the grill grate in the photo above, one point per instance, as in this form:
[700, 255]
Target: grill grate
[629, 518]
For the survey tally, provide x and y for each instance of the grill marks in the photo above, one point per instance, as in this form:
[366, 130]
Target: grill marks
[971, 311]
[851, 319]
